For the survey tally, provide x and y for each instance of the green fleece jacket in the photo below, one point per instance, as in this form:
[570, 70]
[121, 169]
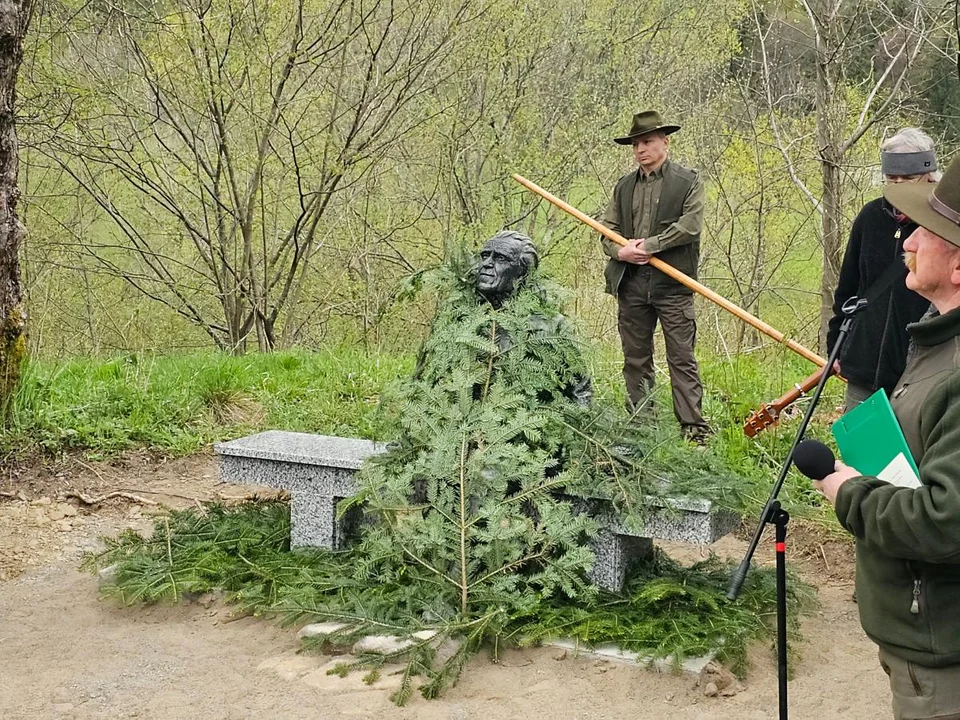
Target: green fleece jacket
[908, 540]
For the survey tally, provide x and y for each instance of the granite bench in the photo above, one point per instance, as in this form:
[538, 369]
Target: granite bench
[319, 470]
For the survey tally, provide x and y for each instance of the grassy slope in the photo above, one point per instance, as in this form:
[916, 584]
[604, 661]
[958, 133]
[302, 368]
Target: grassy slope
[179, 404]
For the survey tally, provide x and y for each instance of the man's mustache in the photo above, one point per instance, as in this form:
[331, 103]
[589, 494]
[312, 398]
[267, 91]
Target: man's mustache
[910, 260]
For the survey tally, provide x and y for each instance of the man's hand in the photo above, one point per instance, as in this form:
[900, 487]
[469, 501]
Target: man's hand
[634, 252]
[832, 482]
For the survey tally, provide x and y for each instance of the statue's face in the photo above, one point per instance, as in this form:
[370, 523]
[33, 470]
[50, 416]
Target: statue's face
[499, 267]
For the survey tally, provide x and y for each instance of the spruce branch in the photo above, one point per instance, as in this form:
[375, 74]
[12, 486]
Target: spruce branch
[463, 526]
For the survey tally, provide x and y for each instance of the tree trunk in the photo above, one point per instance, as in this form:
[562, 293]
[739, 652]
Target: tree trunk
[14, 20]
[830, 115]
[832, 238]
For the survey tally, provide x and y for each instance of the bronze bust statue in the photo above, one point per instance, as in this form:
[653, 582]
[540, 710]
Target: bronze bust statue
[505, 260]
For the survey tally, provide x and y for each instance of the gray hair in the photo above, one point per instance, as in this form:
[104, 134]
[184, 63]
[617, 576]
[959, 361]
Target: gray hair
[529, 257]
[911, 140]
[908, 140]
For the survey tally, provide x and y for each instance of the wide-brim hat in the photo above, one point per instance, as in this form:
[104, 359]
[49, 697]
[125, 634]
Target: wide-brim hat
[645, 122]
[933, 206]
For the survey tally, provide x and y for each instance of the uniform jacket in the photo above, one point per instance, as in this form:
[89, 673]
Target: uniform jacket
[875, 352]
[908, 540]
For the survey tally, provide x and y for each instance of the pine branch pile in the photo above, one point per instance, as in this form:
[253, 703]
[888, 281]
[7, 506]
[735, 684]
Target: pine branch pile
[493, 433]
[469, 532]
[665, 612]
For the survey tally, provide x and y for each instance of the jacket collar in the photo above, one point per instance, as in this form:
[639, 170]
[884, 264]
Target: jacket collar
[936, 329]
[891, 211]
[658, 173]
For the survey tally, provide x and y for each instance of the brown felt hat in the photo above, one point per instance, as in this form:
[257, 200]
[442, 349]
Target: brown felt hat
[933, 206]
[645, 122]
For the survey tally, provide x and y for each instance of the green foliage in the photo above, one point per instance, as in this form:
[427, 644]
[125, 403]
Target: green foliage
[193, 552]
[168, 404]
[736, 388]
[472, 530]
[490, 433]
[467, 494]
[671, 611]
[407, 146]
[665, 612]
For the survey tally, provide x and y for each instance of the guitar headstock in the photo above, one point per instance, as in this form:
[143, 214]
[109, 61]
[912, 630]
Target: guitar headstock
[769, 413]
[763, 418]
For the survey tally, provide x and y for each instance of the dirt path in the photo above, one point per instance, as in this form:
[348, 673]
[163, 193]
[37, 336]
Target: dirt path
[65, 653]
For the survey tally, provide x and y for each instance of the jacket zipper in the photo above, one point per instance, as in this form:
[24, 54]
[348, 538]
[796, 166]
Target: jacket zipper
[915, 605]
[917, 587]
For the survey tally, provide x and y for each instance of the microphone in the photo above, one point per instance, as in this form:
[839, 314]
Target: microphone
[813, 459]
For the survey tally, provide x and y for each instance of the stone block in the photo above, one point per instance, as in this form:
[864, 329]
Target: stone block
[689, 520]
[614, 554]
[314, 630]
[693, 667]
[303, 448]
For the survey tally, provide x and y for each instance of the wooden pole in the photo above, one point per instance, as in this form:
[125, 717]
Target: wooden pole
[677, 275]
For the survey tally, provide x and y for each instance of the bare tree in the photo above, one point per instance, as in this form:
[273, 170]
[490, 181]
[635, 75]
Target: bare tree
[862, 55]
[14, 20]
[217, 138]
[754, 226]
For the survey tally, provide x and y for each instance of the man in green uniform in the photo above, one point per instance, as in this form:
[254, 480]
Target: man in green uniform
[908, 537]
[659, 208]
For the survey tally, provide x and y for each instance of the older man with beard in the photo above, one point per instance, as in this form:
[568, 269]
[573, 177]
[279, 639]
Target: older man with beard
[908, 539]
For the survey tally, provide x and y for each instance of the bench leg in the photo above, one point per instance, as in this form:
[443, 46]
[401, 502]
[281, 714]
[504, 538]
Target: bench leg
[312, 520]
[614, 554]
[314, 523]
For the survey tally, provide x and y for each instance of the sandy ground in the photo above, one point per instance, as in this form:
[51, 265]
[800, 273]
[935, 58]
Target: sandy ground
[66, 653]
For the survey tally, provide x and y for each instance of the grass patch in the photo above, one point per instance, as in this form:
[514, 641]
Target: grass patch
[179, 404]
[176, 405]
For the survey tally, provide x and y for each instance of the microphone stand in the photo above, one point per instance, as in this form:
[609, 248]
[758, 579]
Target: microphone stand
[774, 514]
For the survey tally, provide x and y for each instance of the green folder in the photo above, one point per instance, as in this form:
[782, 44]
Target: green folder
[870, 440]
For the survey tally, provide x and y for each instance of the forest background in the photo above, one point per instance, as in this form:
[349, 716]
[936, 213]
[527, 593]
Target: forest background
[242, 176]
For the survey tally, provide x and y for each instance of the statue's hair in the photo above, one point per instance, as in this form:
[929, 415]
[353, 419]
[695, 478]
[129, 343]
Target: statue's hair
[529, 257]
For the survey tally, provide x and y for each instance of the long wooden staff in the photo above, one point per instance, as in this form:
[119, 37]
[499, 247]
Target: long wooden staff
[677, 275]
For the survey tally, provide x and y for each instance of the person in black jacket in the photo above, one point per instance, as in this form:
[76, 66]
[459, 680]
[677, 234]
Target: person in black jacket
[875, 352]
